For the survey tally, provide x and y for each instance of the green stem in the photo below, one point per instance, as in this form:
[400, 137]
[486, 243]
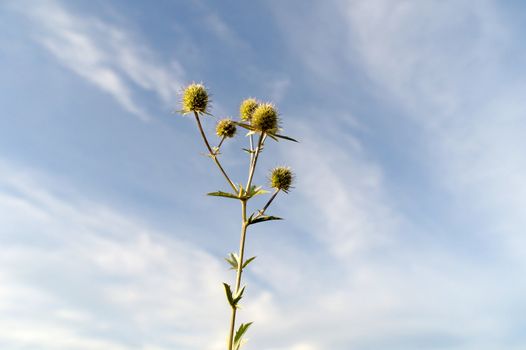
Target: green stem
[262, 211]
[251, 148]
[212, 154]
[244, 226]
[239, 271]
[219, 145]
[254, 162]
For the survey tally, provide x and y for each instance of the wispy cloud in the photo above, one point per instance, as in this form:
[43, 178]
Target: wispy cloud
[442, 66]
[359, 270]
[107, 56]
[79, 275]
[447, 66]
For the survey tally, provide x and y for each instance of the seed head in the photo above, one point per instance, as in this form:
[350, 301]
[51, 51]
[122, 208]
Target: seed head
[281, 178]
[226, 128]
[247, 108]
[265, 118]
[195, 99]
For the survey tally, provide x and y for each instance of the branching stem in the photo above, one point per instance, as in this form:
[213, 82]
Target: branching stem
[254, 161]
[212, 154]
[262, 211]
[244, 225]
[219, 145]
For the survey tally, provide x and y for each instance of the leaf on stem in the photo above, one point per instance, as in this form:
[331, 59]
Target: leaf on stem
[244, 125]
[238, 296]
[249, 151]
[262, 219]
[223, 194]
[233, 260]
[276, 136]
[233, 299]
[238, 338]
[248, 261]
[228, 292]
[254, 191]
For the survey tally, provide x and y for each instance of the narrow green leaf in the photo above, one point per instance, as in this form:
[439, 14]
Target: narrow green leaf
[228, 292]
[263, 218]
[243, 125]
[233, 265]
[248, 261]
[239, 335]
[223, 194]
[255, 190]
[249, 151]
[233, 260]
[274, 136]
[260, 191]
[236, 298]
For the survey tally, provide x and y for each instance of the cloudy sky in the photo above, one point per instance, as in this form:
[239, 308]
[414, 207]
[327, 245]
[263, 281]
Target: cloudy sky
[406, 227]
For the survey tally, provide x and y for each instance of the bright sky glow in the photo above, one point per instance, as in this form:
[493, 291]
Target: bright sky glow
[406, 227]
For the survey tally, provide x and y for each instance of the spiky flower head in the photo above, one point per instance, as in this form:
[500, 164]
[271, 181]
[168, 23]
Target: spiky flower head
[265, 118]
[247, 108]
[281, 178]
[195, 99]
[226, 128]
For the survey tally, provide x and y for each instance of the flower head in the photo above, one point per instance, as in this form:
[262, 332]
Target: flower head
[226, 128]
[195, 99]
[247, 108]
[281, 178]
[265, 118]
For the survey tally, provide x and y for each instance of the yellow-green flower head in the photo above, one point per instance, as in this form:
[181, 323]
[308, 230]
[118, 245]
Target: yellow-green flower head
[281, 178]
[195, 99]
[226, 128]
[247, 108]
[265, 118]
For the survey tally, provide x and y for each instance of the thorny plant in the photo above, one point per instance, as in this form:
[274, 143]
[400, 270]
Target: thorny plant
[262, 122]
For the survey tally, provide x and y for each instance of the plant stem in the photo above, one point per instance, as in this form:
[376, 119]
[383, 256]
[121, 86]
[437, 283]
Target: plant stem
[254, 162]
[244, 226]
[251, 148]
[219, 145]
[239, 271]
[262, 211]
[212, 154]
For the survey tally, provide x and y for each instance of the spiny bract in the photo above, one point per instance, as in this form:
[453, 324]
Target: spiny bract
[247, 108]
[281, 178]
[195, 99]
[265, 118]
[226, 128]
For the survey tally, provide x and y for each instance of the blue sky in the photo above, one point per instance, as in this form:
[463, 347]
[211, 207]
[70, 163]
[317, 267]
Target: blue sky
[406, 227]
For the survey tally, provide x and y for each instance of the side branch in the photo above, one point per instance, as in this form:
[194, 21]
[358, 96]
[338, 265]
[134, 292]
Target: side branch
[262, 211]
[212, 153]
[254, 161]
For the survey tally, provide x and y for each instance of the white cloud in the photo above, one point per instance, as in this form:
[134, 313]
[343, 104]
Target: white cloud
[105, 55]
[347, 191]
[448, 65]
[372, 284]
[78, 275]
[444, 64]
